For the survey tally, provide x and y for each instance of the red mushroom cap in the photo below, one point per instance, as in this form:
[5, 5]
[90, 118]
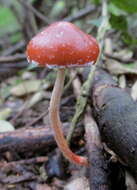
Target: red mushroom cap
[62, 44]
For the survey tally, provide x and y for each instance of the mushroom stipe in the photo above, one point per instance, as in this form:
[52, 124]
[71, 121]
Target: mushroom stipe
[62, 45]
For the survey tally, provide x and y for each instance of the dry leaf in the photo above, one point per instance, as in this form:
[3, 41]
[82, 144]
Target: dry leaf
[28, 87]
[6, 126]
[117, 68]
[5, 113]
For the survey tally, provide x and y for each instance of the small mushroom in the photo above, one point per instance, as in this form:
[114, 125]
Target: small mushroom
[62, 45]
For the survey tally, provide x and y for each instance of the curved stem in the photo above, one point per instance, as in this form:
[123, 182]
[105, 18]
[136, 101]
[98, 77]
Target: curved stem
[56, 123]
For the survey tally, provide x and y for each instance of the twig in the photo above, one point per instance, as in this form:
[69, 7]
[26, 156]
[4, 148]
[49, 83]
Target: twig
[9, 165]
[27, 176]
[11, 66]
[37, 119]
[98, 170]
[16, 13]
[82, 99]
[29, 25]
[31, 139]
[12, 49]
[12, 58]
[82, 13]
[37, 13]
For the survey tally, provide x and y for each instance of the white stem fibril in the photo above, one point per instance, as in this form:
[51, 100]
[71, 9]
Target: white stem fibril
[56, 123]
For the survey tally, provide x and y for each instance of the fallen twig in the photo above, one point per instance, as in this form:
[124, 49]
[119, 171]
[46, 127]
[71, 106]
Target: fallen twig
[116, 114]
[36, 12]
[12, 58]
[30, 139]
[84, 12]
[27, 176]
[9, 165]
[98, 169]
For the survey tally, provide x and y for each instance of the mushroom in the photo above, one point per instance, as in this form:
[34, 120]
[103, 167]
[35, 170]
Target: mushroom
[62, 45]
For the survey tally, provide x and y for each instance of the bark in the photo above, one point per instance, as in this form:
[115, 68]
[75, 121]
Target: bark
[116, 114]
[31, 139]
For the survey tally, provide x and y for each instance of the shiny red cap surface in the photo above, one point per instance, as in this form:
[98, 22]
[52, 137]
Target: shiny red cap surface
[62, 44]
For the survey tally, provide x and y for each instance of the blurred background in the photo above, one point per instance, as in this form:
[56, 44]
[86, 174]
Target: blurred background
[25, 90]
[20, 20]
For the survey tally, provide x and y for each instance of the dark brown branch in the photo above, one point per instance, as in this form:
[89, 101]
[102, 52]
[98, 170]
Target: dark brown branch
[116, 114]
[30, 139]
[27, 176]
[5, 167]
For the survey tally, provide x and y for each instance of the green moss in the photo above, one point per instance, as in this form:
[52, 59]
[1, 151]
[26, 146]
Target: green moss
[8, 22]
